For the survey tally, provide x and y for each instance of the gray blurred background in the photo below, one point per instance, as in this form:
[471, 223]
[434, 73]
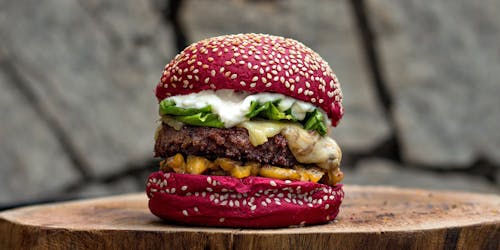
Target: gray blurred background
[421, 83]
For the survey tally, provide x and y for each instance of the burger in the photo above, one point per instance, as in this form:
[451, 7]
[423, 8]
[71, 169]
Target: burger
[244, 135]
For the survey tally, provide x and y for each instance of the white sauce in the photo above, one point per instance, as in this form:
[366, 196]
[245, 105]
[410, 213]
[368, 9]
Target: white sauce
[232, 107]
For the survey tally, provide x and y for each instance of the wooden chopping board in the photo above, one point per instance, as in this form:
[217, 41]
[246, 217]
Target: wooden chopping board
[370, 218]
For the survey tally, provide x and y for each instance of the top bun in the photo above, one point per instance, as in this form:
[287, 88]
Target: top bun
[254, 63]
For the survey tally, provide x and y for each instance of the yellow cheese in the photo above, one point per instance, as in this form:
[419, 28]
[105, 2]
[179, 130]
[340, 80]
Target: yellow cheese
[259, 131]
[306, 146]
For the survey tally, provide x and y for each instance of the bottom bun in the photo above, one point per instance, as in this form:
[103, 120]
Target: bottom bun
[252, 202]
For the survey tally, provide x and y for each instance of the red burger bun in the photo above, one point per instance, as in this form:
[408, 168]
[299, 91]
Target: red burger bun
[252, 202]
[254, 63]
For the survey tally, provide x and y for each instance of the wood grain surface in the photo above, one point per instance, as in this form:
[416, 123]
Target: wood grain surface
[370, 218]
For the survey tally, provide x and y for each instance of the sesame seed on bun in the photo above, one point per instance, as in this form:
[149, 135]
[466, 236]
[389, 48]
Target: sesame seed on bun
[244, 135]
[254, 63]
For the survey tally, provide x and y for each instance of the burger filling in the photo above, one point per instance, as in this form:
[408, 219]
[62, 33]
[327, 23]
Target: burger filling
[227, 108]
[236, 134]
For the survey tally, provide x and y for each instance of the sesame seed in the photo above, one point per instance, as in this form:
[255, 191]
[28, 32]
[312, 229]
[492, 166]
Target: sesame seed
[288, 181]
[209, 189]
[327, 206]
[209, 180]
[253, 207]
[183, 188]
[263, 203]
[211, 197]
[268, 200]
[231, 203]
[253, 84]
[185, 213]
[242, 83]
[221, 220]
[255, 78]
[224, 202]
[237, 203]
[273, 183]
[212, 72]
[196, 209]
[216, 201]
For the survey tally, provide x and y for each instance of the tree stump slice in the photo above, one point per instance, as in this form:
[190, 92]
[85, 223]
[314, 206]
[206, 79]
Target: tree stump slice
[370, 217]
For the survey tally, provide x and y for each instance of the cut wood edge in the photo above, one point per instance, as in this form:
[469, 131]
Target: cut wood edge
[124, 221]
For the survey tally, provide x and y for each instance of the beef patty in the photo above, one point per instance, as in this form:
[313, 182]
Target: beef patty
[233, 143]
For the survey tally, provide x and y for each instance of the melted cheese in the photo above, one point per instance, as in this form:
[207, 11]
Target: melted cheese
[259, 131]
[307, 147]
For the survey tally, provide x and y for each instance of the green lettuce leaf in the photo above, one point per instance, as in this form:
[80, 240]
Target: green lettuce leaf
[314, 121]
[192, 116]
[201, 119]
[167, 107]
[268, 110]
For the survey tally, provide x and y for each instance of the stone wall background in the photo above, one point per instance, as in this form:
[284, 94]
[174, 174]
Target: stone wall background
[420, 80]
